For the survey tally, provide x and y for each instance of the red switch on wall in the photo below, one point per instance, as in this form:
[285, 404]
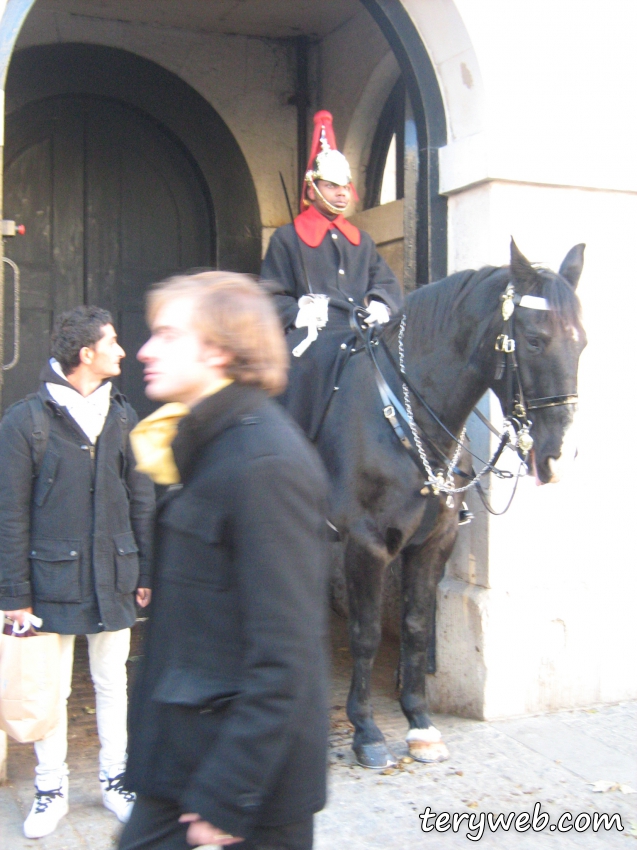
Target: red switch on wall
[10, 228]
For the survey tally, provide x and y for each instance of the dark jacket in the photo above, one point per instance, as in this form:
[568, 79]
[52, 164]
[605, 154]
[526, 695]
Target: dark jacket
[75, 541]
[365, 274]
[314, 376]
[229, 714]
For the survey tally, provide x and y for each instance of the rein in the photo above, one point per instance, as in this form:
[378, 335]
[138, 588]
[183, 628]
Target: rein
[551, 401]
[441, 481]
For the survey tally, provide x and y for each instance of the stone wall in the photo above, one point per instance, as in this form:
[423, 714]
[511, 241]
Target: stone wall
[535, 612]
[542, 598]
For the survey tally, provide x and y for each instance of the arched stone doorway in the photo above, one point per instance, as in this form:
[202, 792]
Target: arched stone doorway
[165, 97]
[425, 134]
[119, 185]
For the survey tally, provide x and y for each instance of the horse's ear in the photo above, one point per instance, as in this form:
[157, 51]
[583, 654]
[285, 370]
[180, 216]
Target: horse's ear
[522, 271]
[571, 267]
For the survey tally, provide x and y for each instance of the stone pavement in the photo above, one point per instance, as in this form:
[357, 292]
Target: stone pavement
[494, 767]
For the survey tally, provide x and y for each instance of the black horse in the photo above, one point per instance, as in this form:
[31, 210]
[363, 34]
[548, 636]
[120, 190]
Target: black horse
[459, 337]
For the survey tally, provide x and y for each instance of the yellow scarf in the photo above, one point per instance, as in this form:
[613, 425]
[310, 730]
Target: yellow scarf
[152, 438]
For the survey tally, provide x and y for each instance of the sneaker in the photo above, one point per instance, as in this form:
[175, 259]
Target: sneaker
[115, 797]
[48, 809]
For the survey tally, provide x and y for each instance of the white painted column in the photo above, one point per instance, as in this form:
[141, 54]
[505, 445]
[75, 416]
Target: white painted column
[536, 610]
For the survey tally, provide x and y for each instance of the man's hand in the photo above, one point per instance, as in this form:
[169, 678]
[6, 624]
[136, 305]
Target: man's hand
[143, 596]
[378, 313]
[202, 832]
[18, 615]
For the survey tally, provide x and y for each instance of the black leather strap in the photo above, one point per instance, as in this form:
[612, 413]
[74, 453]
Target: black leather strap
[551, 401]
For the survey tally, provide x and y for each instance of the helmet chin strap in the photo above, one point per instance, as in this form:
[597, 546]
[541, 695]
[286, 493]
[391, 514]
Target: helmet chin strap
[330, 207]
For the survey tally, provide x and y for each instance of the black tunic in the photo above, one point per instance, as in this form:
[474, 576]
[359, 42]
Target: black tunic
[350, 275]
[335, 268]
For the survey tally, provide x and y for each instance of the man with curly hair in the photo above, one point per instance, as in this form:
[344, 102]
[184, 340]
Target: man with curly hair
[75, 533]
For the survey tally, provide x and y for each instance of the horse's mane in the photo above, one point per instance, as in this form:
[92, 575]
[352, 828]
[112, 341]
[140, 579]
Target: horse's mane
[432, 306]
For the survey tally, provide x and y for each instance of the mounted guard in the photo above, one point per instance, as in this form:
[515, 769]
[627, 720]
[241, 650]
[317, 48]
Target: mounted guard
[399, 399]
[320, 269]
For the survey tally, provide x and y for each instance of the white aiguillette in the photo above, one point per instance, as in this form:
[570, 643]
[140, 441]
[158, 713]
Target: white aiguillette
[312, 315]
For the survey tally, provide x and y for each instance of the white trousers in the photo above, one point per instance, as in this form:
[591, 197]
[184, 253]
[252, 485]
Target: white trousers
[108, 653]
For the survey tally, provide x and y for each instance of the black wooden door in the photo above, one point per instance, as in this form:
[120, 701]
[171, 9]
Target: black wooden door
[111, 203]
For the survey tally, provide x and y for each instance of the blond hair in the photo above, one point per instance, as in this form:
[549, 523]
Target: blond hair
[233, 313]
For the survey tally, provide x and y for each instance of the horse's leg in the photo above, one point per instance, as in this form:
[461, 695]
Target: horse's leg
[364, 574]
[423, 567]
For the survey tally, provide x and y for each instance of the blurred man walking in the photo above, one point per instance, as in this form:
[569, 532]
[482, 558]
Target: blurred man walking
[228, 719]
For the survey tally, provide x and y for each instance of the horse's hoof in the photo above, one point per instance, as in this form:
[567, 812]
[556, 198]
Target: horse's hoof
[376, 756]
[427, 745]
[429, 753]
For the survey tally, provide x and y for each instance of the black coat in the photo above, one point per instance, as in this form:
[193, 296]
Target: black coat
[228, 717]
[365, 274]
[75, 541]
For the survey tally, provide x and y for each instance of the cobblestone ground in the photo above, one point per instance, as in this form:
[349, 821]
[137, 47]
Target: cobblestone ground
[494, 767]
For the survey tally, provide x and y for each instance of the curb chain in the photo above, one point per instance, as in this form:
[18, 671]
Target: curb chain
[440, 482]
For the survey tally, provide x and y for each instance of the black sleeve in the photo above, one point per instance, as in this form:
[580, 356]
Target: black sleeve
[383, 284]
[16, 482]
[142, 508]
[279, 276]
[281, 565]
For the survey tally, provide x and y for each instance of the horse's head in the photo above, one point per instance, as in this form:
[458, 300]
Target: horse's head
[549, 339]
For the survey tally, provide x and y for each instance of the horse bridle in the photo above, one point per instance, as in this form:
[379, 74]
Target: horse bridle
[515, 406]
[441, 481]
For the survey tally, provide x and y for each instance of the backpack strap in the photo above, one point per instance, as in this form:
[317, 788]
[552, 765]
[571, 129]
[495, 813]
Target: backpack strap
[39, 433]
[41, 426]
[123, 420]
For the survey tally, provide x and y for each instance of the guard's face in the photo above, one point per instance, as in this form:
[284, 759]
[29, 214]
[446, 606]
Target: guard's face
[337, 196]
[178, 364]
[104, 357]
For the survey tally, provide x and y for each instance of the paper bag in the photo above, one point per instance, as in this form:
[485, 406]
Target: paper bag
[29, 685]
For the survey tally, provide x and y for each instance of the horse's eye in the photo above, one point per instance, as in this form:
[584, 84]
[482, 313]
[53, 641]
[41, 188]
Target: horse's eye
[533, 344]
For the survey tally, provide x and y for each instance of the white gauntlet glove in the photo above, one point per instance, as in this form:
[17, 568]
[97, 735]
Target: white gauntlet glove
[378, 313]
[313, 316]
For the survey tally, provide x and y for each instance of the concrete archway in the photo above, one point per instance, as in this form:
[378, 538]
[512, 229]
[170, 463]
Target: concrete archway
[51, 70]
[442, 77]
[431, 127]
[437, 61]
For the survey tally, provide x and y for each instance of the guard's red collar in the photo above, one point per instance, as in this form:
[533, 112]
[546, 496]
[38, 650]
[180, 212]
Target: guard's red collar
[312, 226]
